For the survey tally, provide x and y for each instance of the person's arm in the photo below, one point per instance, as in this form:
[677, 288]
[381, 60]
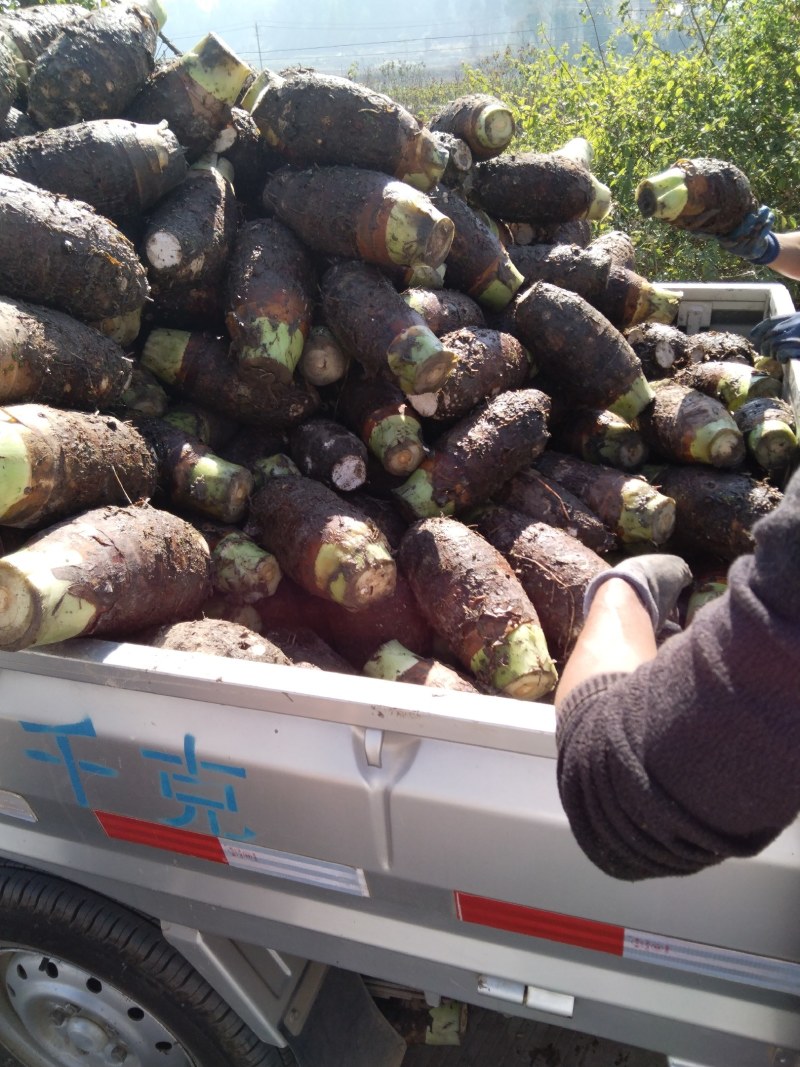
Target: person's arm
[787, 261]
[626, 608]
[694, 755]
[755, 241]
[616, 636]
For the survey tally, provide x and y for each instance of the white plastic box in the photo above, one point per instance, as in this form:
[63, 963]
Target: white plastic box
[736, 307]
[733, 306]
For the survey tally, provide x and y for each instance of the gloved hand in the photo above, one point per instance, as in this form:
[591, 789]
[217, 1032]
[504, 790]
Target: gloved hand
[753, 238]
[778, 337]
[657, 578]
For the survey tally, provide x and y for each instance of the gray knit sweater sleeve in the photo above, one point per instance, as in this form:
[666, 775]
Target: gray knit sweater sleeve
[695, 755]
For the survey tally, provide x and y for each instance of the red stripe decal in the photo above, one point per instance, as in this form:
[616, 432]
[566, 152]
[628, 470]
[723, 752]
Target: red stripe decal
[567, 929]
[157, 835]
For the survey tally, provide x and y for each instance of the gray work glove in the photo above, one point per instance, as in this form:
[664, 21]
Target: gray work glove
[657, 578]
[753, 238]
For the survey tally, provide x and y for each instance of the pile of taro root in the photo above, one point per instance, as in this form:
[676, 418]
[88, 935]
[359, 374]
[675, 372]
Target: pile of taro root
[288, 375]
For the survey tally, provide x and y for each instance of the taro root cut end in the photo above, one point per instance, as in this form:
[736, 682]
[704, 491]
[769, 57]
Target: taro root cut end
[663, 196]
[494, 127]
[719, 443]
[646, 515]
[600, 206]
[418, 360]
[656, 304]
[215, 68]
[36, 607]
[424, 162]
[519, 665]
[355, 575]
[634, 401]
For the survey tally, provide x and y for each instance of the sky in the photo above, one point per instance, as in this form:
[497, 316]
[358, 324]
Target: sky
[330, 34]
[265, 33]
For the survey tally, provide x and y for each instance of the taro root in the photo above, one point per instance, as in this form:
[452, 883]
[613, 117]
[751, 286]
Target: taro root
[107, 572]
[321, 118]
[703, 195]
[474, 601]
[322, 542]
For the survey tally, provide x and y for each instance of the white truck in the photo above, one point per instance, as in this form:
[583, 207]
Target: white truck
[201, 860]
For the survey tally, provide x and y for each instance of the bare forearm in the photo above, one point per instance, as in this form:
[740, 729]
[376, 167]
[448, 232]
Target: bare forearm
[787, 262]
[617, 636]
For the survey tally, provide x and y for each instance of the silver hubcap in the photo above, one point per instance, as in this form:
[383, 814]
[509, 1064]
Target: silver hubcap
[55, 1014]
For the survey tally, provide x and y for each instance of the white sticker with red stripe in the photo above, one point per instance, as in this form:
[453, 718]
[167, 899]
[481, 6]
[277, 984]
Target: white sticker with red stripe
[266, 861]
[296, 868]
[730, 964]
[782, 976]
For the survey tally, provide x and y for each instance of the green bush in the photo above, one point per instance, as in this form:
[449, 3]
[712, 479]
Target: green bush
[699, 78]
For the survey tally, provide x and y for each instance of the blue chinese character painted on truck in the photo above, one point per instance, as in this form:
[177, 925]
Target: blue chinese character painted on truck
[187, 781]
[63, 737]
[179, 785]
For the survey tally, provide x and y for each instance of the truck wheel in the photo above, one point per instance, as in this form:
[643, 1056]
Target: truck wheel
[84, 981]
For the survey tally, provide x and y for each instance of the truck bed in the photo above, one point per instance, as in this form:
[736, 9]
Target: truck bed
[408, 834]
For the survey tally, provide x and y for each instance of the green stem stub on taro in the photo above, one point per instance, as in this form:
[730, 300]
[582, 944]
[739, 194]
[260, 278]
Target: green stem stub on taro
[163, 353]
[397, 442]
[499, 293]
[494, 127]
[424, 160]
[22, 66]
[768, 365]
[265, 79]
[634, 401]
[698, 599]
[416, 231]
[16, 473]
[416, 493]
[664, 196]
[620, 446]
[278, 465]
[772, 443]
[646, 514]
[390, 661]
[355, 570]
[277, 348]
[216, 488]
[124, 329]
[656, 304]
[745, 383]
[156, 9]
[242, 568]
[518, 665]
[36, 607]
[734, 388]
[718, 443]
[601, 201]
[419, 361]
[215, 68]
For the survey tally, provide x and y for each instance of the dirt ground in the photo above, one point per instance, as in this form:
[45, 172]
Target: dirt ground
[492, 1040]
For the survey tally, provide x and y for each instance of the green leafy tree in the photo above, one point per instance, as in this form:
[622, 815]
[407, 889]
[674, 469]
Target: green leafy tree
[701, 78]
[696, 78]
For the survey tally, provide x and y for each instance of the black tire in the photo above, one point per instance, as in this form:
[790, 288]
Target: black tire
[85, 980]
